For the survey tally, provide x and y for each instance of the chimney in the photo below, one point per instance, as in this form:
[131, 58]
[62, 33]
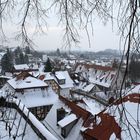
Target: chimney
[60, 114]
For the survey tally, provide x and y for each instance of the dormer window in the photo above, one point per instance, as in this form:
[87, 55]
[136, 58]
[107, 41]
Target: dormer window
[112, 75]
[61, 82]
[28, 81]
[60, 78]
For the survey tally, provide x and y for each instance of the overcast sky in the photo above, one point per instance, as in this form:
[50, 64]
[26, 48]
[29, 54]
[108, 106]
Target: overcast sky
[104, 37]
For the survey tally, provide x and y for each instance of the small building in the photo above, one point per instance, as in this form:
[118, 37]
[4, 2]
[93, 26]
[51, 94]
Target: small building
[17, 69]
[60, 81]
[67, 124]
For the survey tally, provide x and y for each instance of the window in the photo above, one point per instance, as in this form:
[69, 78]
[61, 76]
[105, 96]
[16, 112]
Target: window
[63, 132]
[41, 112]
[62, 81]
[95, 71]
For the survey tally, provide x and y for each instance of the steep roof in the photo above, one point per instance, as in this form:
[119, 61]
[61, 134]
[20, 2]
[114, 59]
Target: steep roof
[25, 81]
[99, 75]
[38, 98]
[53, 127]
[94, 66]
[80, 112]
[109, 121]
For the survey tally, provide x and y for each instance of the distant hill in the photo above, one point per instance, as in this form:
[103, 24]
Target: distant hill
[108, 52]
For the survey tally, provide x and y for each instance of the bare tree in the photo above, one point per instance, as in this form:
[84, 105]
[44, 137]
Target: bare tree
[75, 14]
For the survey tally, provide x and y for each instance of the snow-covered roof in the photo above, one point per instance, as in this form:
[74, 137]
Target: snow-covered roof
[68, 81]
[25, 129]
[92, 106]
[37, 98]
[28, 82]
[67, 120]
[88, 88]
[6, 77]
[35, 121]
[60, 75]
[55, 130]
[100, 75]
[21, 67]
[129, 116]
[48, 76]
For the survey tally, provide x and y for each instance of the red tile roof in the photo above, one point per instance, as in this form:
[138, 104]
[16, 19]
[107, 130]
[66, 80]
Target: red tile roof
[135, 98]
[41, 77]
[103, 130]
[23, 75]
[98, 67]
[78, 111]
[102, 125]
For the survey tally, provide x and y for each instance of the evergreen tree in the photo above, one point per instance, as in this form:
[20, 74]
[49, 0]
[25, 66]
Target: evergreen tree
[134, 68]
[58, 52]
[26, 59]
[7, 62]
[17, 51]
[48, 66]
[27, 50]
[21, 58]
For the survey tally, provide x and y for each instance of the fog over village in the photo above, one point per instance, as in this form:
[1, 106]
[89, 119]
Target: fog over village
[69, 70]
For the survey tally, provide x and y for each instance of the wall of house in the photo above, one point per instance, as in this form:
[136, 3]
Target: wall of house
[66, 130]
[8, 89]
[33, 90]
[54, 85]
[41, 111]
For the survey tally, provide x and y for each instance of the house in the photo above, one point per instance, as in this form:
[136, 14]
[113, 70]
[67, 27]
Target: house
[34, 93]
[119, 121]
[69, 117]
[66, 124]
[104, 77]
[19, 123]
[23, 67]
[33, 59]
[32, 69]
[60, 81]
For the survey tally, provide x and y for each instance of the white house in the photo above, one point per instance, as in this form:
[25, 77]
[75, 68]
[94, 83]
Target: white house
[34, 93]
[60, 81]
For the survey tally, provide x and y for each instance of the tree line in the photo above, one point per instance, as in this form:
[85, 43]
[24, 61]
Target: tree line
[18, 56]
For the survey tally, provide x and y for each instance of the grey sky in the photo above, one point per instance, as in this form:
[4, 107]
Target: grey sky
[103, 37]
